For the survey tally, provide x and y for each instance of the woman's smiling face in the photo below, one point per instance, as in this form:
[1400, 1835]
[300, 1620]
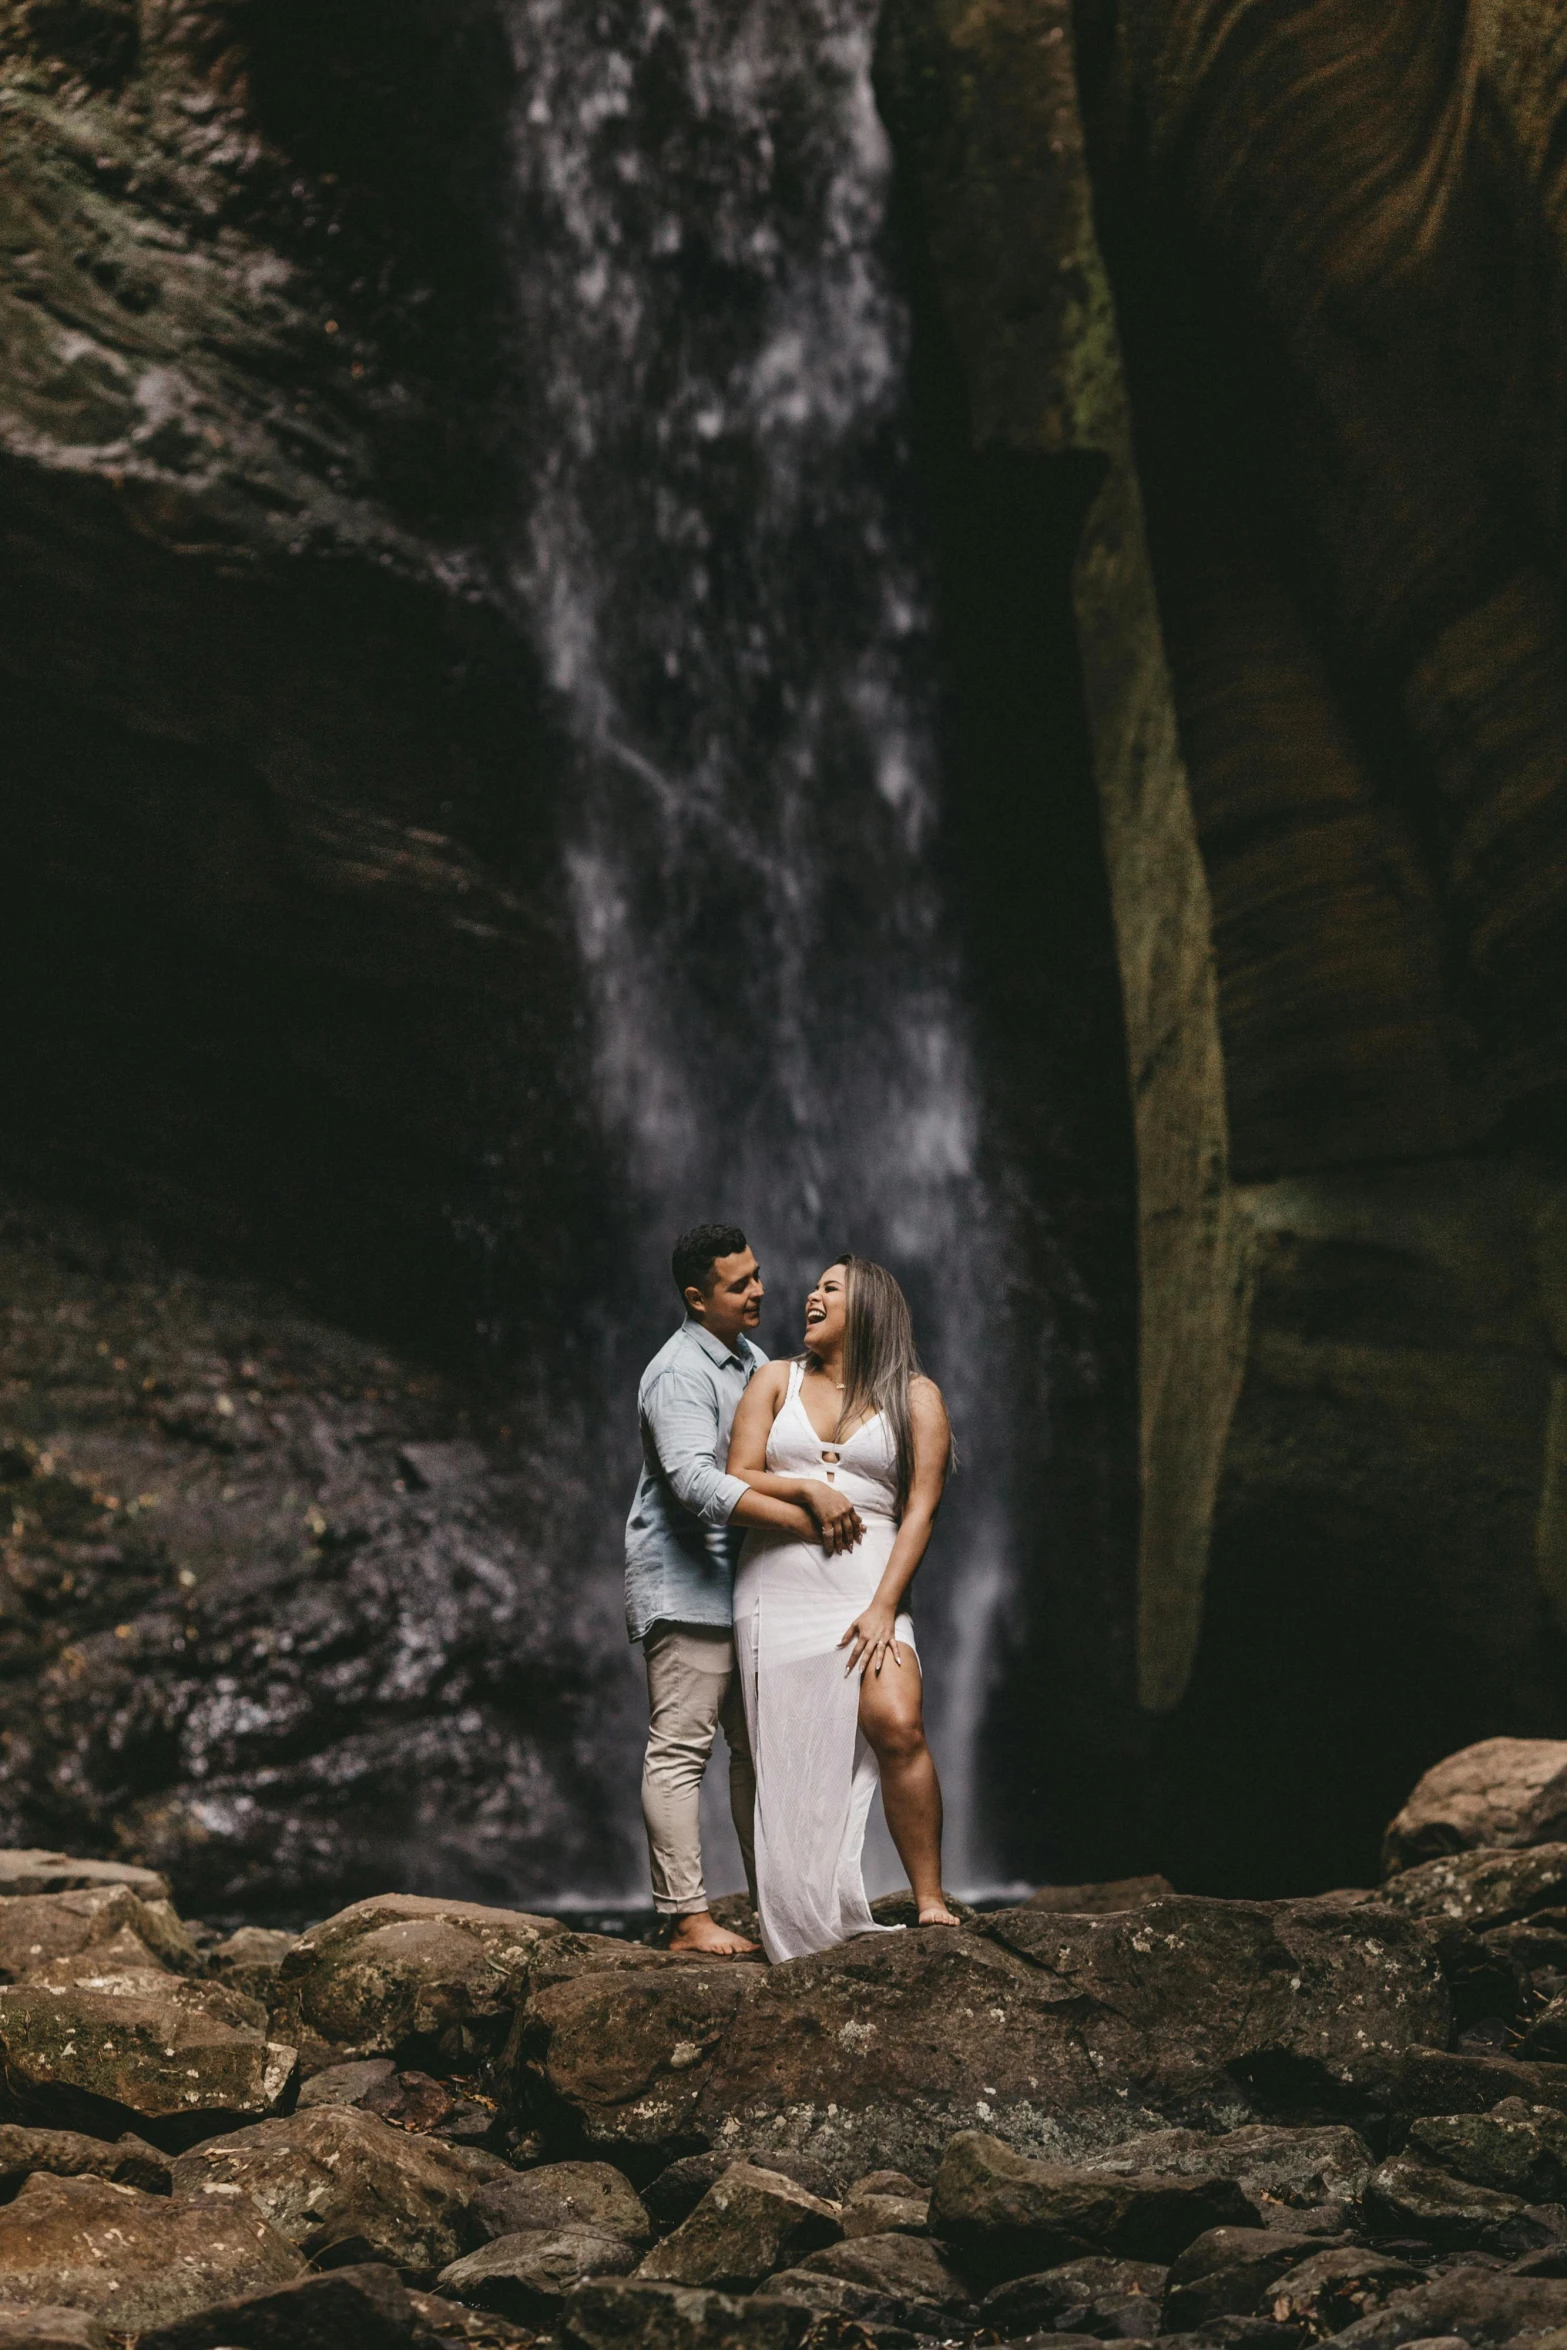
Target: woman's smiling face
[827, 1310]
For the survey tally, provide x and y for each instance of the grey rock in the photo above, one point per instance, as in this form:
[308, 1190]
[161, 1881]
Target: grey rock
[885, 2203]
[135, 2260]
[529, 2275]
[1438, 2081]
[347, 2084]
[36, 1870]
[1516, 2148]
[1334, 2289]
[344, 2184]
[357, 2308]
[111, 2048]
[1225, 2272]
[1108, 2299]
[1504, 1791]
[592, 2195]
[249, 1960]
[1485, 2306]
[681, 2185]
[635, 2313]
[1408, 2198]
[399, 1974]
[749, 2223]
[1005, 2215]
[68, 2154]
[908, 2272]
[1298, 2178]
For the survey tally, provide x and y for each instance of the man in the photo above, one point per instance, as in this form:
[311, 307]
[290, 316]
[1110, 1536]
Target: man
[682, 1540]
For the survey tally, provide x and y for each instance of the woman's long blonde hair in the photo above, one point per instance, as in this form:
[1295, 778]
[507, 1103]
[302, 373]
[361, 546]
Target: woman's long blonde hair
[880, 1360]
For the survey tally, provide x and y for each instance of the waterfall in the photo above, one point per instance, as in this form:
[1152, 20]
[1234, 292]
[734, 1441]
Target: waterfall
[719, 562]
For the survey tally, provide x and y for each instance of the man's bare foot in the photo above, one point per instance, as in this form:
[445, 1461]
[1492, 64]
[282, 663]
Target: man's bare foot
[699, 1935]
[936, 1913]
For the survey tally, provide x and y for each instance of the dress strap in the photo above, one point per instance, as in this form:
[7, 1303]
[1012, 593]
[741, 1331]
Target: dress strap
[796, 1374]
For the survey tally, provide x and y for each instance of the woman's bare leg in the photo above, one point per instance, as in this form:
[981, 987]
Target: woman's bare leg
[892, 1716]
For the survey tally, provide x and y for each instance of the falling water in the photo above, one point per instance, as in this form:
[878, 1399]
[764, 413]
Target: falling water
[720, 568]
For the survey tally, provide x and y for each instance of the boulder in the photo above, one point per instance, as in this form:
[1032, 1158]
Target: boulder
[137, 2047]
[411, 2099]
[885, 2203]
[402, 1975]
[39, 1871]
[1109, 2299]
[1440, 2081]
[455, 2328]
[134, 2260]
[1480, 1889]
[677, 2190]
[1485, 2307]
[1059, 2034]
[51, 2329]
[344, 2185]
[359, 2308]
[1505, 1791]
[1516, 2148]
[1534, 1950]
[1007, 2216]
[1102, 1899]
[749, 2223]
[1409, 2198]
[1225, 2272]
[350, 2084]
[1546, 2037]
[1299, 2179]
[635, 2313]
[38, 1927]
[558, 2195]
[856, 2313]
[907, 2274]
[250, 1960]
[530, 2274]
[1331, 2290]
[68, 2154]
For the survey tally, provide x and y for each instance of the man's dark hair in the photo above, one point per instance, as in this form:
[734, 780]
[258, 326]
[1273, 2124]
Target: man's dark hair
[697, 1250]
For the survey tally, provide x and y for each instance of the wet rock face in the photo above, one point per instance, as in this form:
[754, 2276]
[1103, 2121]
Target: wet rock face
[237, 1636]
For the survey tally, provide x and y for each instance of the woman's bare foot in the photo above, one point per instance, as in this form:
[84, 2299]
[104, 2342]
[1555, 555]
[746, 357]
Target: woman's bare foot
[936, 1913]
[699, 1935]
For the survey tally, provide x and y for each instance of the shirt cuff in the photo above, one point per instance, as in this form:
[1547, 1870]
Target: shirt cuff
[726, 1496]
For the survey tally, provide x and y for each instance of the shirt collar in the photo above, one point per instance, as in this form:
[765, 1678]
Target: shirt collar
[715, 1346]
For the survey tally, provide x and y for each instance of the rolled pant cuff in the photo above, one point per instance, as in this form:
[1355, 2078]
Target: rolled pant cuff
[680, 1909]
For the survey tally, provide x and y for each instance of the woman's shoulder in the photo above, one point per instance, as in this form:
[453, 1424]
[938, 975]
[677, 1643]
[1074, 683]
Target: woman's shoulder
[926, 1400]
[771, 1379]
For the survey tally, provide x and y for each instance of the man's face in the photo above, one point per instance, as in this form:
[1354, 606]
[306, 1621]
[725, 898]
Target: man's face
[734, 1298]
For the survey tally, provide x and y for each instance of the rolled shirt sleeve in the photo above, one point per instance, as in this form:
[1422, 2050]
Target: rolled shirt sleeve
[683, 1429]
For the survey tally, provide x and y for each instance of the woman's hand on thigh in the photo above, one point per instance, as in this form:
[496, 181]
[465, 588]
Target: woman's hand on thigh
[874, 1637]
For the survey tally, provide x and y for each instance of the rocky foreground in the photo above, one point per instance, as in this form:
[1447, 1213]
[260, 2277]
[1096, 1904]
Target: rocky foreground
[1109, 2112]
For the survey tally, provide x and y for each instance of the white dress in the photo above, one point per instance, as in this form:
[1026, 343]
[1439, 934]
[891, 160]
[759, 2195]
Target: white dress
[815, 1771]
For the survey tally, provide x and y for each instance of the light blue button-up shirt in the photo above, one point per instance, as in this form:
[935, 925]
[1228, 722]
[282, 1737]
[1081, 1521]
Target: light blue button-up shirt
[680, 1547]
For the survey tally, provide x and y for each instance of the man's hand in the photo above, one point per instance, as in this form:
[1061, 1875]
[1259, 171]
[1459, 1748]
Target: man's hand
[839, 1521]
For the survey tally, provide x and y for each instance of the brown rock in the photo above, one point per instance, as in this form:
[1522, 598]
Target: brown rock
[749, 2223]
[1332, 2290]
[885, 2203]
[1408, 2198]
[348, 2084]
[591, 2195]
[635, 2313]
[529, 2275]
[677, 2190]
[1298, 2178]
[1485, 2306]
[908, 2272]
[1439, 2081]
[51, 2329]
[133, 2260]
[457, 2328]
[1224, 2272]
[250, 1959]
[1006, 2216]
[1480, 1889]
[1518, 2149]
[335, 2181]
[38, 1927]
[399, 1973]
[68, 2154]
[1099, 2297]
[106, 2049]
[1505, 1791]
[1103, 1899]
[358, 2308]
[39, 1871]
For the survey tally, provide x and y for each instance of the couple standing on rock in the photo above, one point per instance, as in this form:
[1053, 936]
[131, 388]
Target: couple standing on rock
[780, 1516]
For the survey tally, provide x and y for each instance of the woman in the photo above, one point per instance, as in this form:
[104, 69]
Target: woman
[856, 1412]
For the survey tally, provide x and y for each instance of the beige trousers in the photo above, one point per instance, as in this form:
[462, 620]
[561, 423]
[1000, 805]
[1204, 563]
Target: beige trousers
[692, 1688]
